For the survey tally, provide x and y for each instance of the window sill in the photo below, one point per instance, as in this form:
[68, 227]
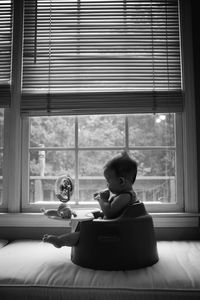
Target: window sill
[39, 220]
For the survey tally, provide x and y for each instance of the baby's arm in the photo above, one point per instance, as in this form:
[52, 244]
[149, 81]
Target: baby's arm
[112, 209]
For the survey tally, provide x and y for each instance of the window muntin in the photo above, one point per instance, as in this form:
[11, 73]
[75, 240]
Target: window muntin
[153, 147]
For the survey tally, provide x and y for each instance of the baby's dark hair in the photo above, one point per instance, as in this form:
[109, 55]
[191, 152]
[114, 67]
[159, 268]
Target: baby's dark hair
[123, 165]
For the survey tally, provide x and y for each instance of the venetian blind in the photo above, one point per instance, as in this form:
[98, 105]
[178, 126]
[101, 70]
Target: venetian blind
[5, 51]
[98, 56]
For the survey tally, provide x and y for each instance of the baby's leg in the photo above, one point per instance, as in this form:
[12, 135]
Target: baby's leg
[52, 239]
[69, 239]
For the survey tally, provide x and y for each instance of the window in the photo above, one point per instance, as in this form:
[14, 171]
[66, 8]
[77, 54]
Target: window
[87, 66]
[81, 145]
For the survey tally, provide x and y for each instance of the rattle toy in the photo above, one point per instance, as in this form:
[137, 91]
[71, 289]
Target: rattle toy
[63, 190]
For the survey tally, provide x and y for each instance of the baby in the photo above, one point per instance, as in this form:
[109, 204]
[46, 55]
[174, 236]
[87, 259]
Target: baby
[120, 174]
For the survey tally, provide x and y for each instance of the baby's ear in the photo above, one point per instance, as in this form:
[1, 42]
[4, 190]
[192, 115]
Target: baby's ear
[121, 180]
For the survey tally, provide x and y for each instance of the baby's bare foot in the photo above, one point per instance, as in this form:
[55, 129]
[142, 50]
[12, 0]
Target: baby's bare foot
[52, 239]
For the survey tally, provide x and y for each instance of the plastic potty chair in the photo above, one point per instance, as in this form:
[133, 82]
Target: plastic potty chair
[125, 243]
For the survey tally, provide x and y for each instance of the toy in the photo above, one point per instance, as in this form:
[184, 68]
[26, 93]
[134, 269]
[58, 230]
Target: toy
[64, 188]
[63, 191]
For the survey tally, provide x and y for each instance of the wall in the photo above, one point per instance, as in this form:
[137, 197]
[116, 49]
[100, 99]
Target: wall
[196, 51]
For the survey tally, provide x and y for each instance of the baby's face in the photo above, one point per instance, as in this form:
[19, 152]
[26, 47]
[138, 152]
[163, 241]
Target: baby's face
[113, 181]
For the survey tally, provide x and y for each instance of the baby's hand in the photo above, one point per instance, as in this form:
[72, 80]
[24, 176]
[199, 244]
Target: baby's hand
[96, 196]
[103, 195]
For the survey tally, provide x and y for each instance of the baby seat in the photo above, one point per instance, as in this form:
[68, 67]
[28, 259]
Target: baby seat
[125, 243]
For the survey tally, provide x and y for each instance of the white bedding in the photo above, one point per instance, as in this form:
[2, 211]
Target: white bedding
[36, 270]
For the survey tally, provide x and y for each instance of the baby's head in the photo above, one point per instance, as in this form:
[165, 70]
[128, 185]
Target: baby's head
[120, 172]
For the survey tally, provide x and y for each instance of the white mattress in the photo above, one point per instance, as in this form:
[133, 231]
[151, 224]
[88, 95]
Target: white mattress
[37, 270]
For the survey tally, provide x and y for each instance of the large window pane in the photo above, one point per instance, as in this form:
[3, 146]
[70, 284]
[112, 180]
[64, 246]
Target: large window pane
[152, 130]
[101, 131]
[156, 162]
[156, 179]
[91, 177]
[45, 167]
[52, 131]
